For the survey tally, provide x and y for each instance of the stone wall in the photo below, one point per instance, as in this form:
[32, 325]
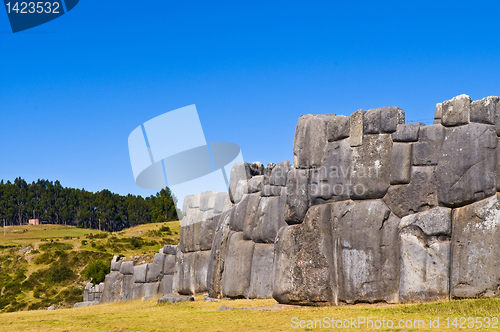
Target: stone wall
[373, 209]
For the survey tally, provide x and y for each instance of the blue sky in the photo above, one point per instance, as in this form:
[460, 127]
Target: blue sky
[72, 90]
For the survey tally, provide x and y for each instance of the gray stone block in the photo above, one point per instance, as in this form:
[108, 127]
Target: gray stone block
[407, 132]
[401, 163]
[208, 215]
[140, 273]
[438, 113]
[202, 259]
[467, 167]
[267, 172]
[85, 304]
[371, 165]
[390, 118]
[355, 129]
[256, 184]
[237, 221]
[207, 200]
[239, 172]
[332, 181]
[174, 299]
[269, 191]
[207, 234]
[484, 110]
[309, 141]
[476, 249]
[261, 282]
[279, 173]
[498, 167]
[137, 291]
[338, 128]
[184, 272]
[419, 195]
[304, 266]
[169, 264]
[367, 251]
[127, 267]
[112, 291]
[371, 121]
[166, 284]
[241, 190]
[127, 288]
[256, 168]
[218, 254]
[221, 200]
[425, 256]
[150, 289]
[297, 195]
[115, 264]
[194, 202]
[170, 249]
[192, 216]
[237, 269]
[250, 213]
[427, 150]
[153, 272]
[456, 111]
[268, 220]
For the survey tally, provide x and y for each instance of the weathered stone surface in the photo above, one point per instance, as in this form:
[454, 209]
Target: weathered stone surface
[137, 291]
[250, 212]
[467, 167]
[267, 172]
[456, 111]
[169, 249]
[484, 110]
[237, 221]
[268, 220]
[169, 264]
[184, 273]
[218, 254]
[498, 166]
[390, 118]
[338, 128]
[309, 142]
[208, 215]
[476, 249]
[174, 299]
[237, 268]
[261, 281]
[427, 150]
[153, 272]
[239, 172]
[150, 290]
[85, 304]
[256, 168]
[332, 181]
[371, 121]
[186, 204]
[115, 266]
[297, 195]
[270, 190]
[407, 132]
[355, 129]
[438, 113]
[221, 202]
[128, 281]
[202, 259]
[241, 190]
[166, 284]
[367, 251]
[193, 216]
[140, 273]
[304, 267]
[112, 287]
[207, 200]
[419, 195]
[256, 184]
[425, 255]
[371, 164]
[401, 163]
[194, 202]
[207, 231]
[279, 173]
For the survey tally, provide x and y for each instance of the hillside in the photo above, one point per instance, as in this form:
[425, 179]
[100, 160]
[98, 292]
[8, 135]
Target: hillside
[44, 265]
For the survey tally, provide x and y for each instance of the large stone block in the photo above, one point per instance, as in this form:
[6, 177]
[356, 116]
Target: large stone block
[202, 259]
[261, 281]
[222, 201]
[140, 273]
[169, 264]
[112, 287]
[153, 272]
[338, 128]
[304, 266]
[279, 173]
[237, 221]
[419, 195]
[237, 268]
[332, 181]
[401, 163]
[425, 255]
[390, 118]
[367, 251]
[150, 289]
[115, 264]
[371, 165]
[475, 249]
[309, 141]
[166, 284]
[192, 216]
[137, 291]
[438, 113]
[297, 195]
[170, 249]
[270, 190]
[267, 172]
[467, 167]
[207, 231]
[127, 267]
[484, 110]
[239, 172]
[456, 111]
[256, 168]
[371, 121]
[250, 214]
[407, 132]
[218, 254]
[355, 129]
[256, 184]
[268, 220]
[427, 150]
[127, 287]
[207, 200]
[184, 271]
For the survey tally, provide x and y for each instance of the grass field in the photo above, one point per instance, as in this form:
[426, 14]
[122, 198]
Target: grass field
[203, 316]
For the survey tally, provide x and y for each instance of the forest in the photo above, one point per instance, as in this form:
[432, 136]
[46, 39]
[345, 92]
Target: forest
[52, 203]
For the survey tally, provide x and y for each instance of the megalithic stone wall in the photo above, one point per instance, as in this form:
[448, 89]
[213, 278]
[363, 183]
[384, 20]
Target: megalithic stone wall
[373, 209]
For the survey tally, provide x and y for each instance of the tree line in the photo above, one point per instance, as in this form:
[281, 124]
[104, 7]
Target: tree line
[52, 203]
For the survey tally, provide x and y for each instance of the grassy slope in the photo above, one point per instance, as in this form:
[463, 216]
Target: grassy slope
[203, 316]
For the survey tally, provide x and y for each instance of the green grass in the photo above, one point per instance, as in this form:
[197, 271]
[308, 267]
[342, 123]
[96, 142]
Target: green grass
[203, 316]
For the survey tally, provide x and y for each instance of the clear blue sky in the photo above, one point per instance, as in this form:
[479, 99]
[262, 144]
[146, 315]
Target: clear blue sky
[72, 90]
